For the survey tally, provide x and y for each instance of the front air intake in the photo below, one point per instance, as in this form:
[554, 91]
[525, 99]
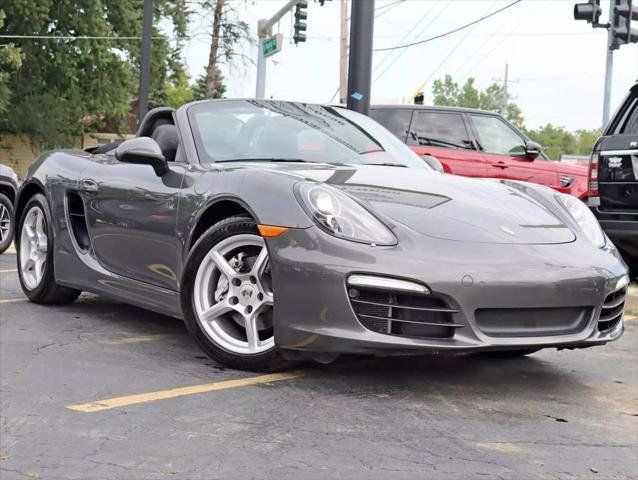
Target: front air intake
[612, 311]
[402, 313]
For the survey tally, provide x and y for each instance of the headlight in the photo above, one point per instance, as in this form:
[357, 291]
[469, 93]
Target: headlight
[584, 218]
[339, 215]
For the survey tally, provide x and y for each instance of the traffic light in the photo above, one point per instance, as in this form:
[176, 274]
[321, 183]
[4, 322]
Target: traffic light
[589, 11]
[301, 13]
[624, 12]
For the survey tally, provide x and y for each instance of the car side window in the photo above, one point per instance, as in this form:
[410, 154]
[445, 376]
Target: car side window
[441, 129]
[631, 125]
[497, 137]
[397, 121]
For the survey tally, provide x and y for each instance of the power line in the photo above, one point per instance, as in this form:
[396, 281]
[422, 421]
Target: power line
[390, 5]
[451, 31]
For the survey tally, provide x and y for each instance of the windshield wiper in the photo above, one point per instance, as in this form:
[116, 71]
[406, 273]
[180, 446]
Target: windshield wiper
[387, 164]
[294, 160]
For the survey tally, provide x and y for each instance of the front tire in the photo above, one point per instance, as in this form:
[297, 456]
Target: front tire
[227, 296]
[34, 240]
[6, 223]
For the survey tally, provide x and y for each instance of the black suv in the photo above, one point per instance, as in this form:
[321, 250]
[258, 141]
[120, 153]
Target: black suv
[613, 180]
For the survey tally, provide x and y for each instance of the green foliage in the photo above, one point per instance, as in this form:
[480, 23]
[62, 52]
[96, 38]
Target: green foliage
[199, 89]
[448, 93]
[66, 86]
[557, 141]
[10, 61]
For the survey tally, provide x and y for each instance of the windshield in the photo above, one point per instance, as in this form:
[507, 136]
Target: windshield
[264, 130]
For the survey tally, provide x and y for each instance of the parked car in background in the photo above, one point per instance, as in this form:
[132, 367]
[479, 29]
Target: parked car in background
[476, 143]
[613, 175]
[8, 190]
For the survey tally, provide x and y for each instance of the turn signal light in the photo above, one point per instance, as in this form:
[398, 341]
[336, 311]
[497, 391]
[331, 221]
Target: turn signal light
[270, 231]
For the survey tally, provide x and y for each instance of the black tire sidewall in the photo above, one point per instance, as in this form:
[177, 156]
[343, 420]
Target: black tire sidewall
[265, 361]
[48, 278]
[4, 200]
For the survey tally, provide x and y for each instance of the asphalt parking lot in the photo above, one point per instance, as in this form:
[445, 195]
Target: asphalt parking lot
[101, 390]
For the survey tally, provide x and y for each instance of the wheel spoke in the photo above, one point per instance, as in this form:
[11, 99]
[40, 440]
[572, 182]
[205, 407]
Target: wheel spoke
[215, 311]
[30, 231]
[260, 262]
[252, 335]
[268, 298]
[38, 269]
[222, 264]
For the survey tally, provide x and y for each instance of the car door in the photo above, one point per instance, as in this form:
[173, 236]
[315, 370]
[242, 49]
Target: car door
[445, 135]
[503, 148]
[131, 214]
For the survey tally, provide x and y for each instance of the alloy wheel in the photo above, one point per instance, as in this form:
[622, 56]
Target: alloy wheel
[233, 296]
[33, 247]
[5, 223]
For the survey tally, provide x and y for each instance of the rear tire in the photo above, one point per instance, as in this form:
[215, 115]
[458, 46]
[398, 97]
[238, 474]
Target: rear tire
[34, 245]
[227, 298]
[6, 223]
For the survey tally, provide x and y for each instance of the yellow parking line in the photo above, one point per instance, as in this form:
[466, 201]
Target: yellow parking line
[13, 300]
[13, 270]
[116, 402]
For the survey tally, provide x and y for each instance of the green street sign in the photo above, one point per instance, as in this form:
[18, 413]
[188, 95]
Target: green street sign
[273, 44]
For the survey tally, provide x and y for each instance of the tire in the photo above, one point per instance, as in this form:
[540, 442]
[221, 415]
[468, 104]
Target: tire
[511, 353]
[37, 277]
[6, 223]
[235, 297]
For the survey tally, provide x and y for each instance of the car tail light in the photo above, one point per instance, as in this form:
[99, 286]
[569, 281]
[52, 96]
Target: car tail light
[593, 196]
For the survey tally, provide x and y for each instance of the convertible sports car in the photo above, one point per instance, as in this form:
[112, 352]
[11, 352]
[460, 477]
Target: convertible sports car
[282, 230]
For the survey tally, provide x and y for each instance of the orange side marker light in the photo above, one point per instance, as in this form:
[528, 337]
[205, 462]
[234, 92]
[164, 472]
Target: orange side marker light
[270, 231]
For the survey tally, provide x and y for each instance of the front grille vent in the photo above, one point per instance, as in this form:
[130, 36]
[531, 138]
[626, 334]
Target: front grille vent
[612, 311]
[404, 314]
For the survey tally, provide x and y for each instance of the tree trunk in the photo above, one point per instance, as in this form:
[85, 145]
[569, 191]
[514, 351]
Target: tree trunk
[212, 71]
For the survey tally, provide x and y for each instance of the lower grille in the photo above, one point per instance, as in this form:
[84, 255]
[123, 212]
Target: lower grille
[529, 322]
[404, 314]
[612, 311]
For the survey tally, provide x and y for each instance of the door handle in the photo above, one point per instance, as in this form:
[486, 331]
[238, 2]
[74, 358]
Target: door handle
[87, 185]
[500, 165]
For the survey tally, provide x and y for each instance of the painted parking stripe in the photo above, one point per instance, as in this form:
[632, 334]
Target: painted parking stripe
[12, 270]
[13, 300]
[116, 402]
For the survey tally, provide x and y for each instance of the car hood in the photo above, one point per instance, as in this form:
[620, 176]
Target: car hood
[443, 206]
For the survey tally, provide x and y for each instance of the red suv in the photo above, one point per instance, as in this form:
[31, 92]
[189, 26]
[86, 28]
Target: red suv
[476, 143]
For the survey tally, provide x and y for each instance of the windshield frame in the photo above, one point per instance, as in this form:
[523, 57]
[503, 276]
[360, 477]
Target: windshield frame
[398, 153]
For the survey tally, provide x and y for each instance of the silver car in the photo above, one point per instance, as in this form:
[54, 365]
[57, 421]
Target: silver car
[281, 231]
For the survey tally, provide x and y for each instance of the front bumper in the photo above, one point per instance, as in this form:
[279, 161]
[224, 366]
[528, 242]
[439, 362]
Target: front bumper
[313, 312]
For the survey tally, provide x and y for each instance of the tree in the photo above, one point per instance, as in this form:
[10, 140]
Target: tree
[448, 93]
[10, 61]
[227, 30]
[554, 140]
[68, 85]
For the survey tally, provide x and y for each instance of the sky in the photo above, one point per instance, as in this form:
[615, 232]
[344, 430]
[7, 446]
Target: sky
[556, 64]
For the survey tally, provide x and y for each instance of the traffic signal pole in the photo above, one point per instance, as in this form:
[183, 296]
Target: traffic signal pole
[264, 29]
[609, 68]
[360, 61]
[145, 62]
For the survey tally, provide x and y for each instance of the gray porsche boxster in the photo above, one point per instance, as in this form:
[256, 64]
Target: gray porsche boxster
[282, 230]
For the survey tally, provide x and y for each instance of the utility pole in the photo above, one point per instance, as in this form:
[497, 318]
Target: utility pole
[609, 68]
[360, 61]
[145, 64]
[505, 96]
[343, 54]
[264, 29]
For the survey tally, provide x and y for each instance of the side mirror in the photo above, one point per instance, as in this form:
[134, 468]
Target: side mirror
[143, 151]
[433, 162]
[532, 150]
